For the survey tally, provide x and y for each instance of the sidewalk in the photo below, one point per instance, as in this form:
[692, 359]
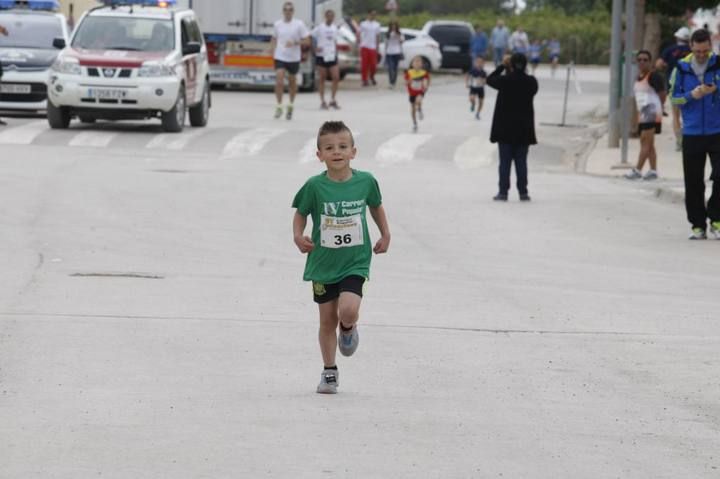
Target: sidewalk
[605, 161]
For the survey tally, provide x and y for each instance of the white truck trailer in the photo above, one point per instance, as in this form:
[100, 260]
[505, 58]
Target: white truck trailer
[238, 33]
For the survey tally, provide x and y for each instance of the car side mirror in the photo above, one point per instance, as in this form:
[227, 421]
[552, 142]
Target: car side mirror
[59, 43]
[192, 48]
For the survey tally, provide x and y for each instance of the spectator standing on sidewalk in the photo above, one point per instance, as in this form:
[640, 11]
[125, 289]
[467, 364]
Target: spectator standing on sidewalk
[478, 44]
[694, 88]
[499, 38]
[369, 41]
[393, 51]
[519, 42]
[649, 91]
[668, 60]
[4, 32]
[513, 126]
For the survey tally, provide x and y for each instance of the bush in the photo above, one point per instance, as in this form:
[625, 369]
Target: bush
[584, 39]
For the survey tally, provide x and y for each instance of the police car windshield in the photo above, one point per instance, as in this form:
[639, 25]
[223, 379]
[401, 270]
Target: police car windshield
[125, 33]
[30, 31]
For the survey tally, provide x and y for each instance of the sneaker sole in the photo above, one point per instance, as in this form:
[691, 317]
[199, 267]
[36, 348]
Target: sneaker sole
[325, 389]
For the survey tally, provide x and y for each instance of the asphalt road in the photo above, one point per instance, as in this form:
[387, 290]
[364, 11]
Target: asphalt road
[153, 320]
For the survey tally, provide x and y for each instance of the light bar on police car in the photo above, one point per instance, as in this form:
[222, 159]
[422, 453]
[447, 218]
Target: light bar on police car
[31, 4]
[144, 3]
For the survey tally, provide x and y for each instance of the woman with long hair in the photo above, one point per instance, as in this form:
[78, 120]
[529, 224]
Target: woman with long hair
[393, 51]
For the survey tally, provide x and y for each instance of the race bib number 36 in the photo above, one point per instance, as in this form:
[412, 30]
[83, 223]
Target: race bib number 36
[340, 231]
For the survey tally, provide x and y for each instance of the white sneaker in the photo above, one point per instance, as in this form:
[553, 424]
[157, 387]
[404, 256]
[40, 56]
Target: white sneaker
[650, 175]
[698, 234]
[633, 174]
[329, 381]
[715, 229]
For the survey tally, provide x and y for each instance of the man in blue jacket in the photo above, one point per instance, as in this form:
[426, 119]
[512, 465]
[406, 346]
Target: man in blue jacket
[478, 44]
[694, 88]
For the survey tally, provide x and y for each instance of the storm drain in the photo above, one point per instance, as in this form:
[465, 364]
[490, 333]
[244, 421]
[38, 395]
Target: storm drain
[117, 275]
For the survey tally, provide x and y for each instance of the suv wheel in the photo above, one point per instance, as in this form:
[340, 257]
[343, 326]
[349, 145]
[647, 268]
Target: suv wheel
[200, 113]
[174, 120]
[58, 116]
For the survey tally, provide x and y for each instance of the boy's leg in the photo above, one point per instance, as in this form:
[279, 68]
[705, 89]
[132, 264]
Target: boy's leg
[645, 142]
[327, 334]
[348, 309]
[472, 101]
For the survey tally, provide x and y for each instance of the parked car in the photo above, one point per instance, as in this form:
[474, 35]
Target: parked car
[130, 62]
[27, 52]
[348, 51]
[416, 43]
[454, 39]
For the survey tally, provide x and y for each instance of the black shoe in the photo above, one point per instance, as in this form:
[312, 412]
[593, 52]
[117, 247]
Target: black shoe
[525, 197]
[500, 197]
[372, 80]
[2, 123]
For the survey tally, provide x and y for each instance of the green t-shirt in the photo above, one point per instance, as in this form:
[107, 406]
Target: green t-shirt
[340, 231]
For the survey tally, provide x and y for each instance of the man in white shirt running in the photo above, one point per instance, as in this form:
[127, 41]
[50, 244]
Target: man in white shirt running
[289, 35]
[369, 41]
[326, 59]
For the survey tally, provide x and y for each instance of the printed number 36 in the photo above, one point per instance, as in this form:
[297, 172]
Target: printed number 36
[347, 239]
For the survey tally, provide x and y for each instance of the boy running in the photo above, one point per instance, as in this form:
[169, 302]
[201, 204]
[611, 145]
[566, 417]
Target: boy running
[418, 81]
[339, 251]
[325, 36]
[475, 81]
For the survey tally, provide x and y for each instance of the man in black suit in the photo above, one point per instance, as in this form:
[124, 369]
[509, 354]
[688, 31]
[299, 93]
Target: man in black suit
[513, 126]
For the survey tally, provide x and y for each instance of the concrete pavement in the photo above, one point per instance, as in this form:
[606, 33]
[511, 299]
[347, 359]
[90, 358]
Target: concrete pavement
[153, 322]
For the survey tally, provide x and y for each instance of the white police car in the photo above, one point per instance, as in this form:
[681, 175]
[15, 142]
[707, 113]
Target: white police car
[132, 59]
[26, 51]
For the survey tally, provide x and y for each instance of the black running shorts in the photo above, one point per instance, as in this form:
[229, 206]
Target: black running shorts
[477, 91]
[291, 67]
[324, 293]
[650, 126]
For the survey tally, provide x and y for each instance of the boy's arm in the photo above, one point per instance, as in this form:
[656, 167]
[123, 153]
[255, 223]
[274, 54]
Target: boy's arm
[304, 243]
[378, 215]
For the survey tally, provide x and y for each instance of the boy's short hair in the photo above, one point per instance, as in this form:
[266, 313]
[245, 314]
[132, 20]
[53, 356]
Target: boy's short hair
[330, 127]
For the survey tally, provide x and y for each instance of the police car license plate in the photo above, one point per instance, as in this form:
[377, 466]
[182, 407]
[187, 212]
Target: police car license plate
[102, 93]
[14, 88]
[451, 48]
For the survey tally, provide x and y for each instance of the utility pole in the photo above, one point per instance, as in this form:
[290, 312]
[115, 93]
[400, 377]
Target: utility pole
[615, 44]
[627, 83]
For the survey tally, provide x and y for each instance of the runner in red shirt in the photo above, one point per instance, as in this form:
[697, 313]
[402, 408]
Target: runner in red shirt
[418, 81]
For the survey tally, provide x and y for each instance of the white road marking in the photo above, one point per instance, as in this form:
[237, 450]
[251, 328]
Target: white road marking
[308, 154]
[249, 142]
[475, 152]
[96, 139]
[400, 148]
[174, 141]
[24, 134]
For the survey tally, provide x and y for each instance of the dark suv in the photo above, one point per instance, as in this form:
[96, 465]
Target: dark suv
[454, 39]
